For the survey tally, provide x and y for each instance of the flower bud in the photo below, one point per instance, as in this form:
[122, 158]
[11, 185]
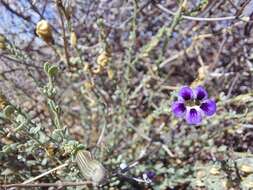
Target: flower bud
[90, 168]
[151, 174]
[148, 176]
[44, 31]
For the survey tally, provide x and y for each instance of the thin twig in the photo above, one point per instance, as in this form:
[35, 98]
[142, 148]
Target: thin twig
[233, 5]
[167, 150]
[100, 139]
[197, 38]
[44, 174]
[64, 36]
[233, 85]
[59, 184]
[162, 8]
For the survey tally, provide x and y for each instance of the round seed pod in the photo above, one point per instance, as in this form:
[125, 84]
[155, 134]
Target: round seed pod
[44, 31]
[91, 169]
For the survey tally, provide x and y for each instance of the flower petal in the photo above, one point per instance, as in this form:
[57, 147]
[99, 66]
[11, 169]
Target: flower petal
[200, 93]
[209, 107]
[178, 108]
[193, 116]
[185, 93]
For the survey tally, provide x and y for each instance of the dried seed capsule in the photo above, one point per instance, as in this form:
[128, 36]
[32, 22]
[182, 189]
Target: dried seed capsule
[246, 169]
[2, 38]
[97, 69]
[89, 85]
[2, 46]
[110, 73]
[73, 39]
[9, 110]
[44, 31]
[214, 171]
[2, 42]
[87, 67]
[3, 102]
[90, 168]
[103, 59]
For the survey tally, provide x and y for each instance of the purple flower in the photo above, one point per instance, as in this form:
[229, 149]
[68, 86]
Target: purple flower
[148, 176]
[151, 174]
[193, 105]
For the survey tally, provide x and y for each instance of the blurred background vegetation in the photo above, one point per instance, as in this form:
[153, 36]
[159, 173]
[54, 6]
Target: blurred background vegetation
[101, 75]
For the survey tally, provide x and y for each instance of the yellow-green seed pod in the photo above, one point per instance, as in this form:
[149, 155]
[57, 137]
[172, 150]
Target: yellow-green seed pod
[3, 102]
[214, 171]
[90, 168]
[110, 73]
[97, 69]
[73, 39]
[246, 169]
[2, 46]
[184, 6]
[44, 31]
[86, 67]
[103, 59]
[2, 42]
[89, 85]
[2, 38]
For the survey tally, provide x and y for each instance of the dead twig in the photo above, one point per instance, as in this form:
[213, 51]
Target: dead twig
[57, 184]
[167, 11]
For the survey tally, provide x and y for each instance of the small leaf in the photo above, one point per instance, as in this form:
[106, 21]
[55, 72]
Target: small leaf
[53, 70]
[20, 119]
[80, 147]
[57, 134]
[20, 127]
[46, 67]
[35, 130]
[8, 110]
[7, 172]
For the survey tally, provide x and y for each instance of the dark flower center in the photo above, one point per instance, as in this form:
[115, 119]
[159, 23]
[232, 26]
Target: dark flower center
[200, 95]
[204, 106]
[182, 107]
[193, 112]
[191, 103]
[186, 96]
